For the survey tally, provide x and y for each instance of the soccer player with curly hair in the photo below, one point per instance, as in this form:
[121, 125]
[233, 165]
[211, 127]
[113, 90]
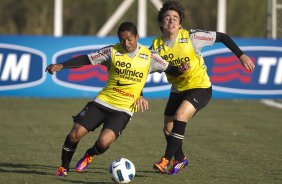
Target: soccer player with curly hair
[192, 90]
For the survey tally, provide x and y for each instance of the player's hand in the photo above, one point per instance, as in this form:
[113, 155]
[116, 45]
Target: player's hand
[141, 104]
[53, 68]
[247, 63]
[184, 66]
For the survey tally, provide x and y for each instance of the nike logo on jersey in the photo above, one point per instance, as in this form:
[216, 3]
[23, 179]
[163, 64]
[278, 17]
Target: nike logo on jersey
[123, 84]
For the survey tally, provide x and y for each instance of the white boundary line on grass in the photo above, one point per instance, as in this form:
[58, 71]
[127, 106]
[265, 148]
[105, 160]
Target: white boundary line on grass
[272, 103]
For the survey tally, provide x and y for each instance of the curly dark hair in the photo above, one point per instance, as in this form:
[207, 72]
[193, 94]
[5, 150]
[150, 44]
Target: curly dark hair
[171, 5]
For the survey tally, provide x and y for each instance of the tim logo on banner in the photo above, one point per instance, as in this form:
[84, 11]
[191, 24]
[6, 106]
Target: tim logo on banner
[93, 78]
[20, 67]
[228, 75]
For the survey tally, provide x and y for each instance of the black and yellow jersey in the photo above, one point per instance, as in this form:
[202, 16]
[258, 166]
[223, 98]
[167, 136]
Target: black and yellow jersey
[127, 75]
[185, 50]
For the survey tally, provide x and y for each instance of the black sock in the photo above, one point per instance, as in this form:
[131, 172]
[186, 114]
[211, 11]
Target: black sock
[96, 150]
[175, 138]
[166, 136]
[68, 150]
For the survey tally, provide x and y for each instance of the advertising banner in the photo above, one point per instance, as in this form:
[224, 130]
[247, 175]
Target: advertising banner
[23, 60]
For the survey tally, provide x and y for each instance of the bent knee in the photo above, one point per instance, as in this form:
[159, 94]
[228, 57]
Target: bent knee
[167, 129]
[77, 133]
[74, 136]
[104, 144]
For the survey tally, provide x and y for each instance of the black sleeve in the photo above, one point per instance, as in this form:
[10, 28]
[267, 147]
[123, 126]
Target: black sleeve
[173, 71]
[229, 43]
[76, 62]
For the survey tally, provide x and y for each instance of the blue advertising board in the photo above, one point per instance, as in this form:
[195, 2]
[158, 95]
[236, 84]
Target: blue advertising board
[23, 60]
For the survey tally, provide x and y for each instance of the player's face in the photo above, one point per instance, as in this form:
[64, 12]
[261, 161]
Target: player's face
[128, 41]
[171, 22]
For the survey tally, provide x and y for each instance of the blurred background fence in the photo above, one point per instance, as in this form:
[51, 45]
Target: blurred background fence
[85, 17]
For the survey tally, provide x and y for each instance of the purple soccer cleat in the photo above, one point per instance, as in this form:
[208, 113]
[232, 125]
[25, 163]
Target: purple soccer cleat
[83, 163]
[178, 166]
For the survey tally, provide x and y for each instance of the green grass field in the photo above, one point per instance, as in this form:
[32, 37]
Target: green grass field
[230, 141]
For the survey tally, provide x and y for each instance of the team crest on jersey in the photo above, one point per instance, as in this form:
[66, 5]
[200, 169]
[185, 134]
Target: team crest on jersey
[143, 56]
[119, 54]
[159, 48]
[183, 40]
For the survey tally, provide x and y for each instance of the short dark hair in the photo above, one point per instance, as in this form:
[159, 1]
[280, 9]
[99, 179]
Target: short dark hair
[171, 5]
[127, 26]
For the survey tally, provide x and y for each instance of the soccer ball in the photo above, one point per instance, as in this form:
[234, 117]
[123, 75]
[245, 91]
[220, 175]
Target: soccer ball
[122, 170]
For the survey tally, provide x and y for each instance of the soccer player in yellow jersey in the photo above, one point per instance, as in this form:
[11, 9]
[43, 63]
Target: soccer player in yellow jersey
[128, 64]
[191, 91]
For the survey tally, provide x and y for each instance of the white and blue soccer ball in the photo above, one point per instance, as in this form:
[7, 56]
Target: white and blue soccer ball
[122, 170]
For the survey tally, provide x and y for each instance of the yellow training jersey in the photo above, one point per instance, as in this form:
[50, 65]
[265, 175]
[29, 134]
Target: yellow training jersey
[127, 77]
[182, 51]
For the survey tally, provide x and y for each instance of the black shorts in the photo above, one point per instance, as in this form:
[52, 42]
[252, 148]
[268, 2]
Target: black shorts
[198, 97]
[94, 114]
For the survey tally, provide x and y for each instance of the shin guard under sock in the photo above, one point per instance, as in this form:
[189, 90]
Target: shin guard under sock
[179, 155]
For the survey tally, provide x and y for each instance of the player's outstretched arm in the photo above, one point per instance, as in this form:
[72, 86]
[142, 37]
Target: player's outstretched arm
[228, 42]
[71, 63]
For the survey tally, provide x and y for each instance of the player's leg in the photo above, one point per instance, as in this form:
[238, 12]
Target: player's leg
[69, 147]
[194, 100]
[184, 113]
[91, 118]
[114, 123]
[175, 139]
[172, 105]
[83, 124]
[163, 163]
[168, 125]
[106, 138]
